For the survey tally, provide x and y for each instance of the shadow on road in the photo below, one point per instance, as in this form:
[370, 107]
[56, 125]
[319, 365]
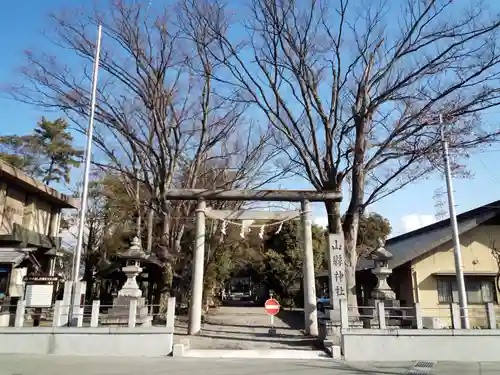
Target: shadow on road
[275, 340]
[293, 318]
[255, 334]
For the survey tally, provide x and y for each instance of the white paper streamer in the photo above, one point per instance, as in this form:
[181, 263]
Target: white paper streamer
[280, 228]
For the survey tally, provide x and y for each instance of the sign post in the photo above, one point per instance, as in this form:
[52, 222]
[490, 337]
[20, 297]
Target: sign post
[272, 307]
[39, 293]
[336, 270]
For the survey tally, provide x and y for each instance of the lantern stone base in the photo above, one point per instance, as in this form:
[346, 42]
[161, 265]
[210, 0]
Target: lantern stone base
[118, 314]
[392, 314]
[330, 326]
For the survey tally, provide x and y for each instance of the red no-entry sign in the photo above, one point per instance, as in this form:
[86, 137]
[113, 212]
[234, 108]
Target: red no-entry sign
[272, 306]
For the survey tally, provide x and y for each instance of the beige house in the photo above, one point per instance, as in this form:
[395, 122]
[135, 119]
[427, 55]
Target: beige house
[424, 266]
[30, 218]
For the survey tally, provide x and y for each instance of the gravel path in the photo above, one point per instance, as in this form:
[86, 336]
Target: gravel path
[230, 327]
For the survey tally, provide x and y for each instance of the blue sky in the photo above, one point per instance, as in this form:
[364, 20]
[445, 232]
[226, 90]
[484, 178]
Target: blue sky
[21, 24]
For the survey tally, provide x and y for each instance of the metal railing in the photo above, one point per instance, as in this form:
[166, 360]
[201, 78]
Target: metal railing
[449, 316]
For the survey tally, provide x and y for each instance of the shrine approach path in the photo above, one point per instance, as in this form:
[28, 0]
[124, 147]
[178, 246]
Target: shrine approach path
[246, 328]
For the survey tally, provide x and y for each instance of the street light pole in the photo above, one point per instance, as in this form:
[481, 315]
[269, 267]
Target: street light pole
[462, 296]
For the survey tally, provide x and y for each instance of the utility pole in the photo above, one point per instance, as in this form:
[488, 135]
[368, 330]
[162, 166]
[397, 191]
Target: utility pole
[462, 296]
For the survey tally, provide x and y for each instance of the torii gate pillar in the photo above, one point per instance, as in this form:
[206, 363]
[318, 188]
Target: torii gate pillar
[310, 310]
[196, 302]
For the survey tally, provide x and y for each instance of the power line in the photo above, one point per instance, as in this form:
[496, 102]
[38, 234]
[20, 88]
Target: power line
[492, 173]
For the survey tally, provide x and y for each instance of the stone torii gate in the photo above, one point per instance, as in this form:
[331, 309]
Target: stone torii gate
[303, 196]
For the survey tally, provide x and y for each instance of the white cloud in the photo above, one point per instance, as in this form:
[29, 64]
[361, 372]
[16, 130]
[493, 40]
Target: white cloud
[69, 237]
[416, 221]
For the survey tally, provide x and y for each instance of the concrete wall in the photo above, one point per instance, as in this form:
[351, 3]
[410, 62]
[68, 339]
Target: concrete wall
[476, 259]
[102, 341]
[33, 213]
[13, 209]
[418, 345]
[42, 217]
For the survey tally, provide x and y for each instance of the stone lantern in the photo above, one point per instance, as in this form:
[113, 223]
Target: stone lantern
[382, 291]
[380, 257]
[118, 314]
[133, 257]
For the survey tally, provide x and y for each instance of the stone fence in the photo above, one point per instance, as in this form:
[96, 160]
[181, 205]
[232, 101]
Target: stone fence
[93, 339]
[395, 344]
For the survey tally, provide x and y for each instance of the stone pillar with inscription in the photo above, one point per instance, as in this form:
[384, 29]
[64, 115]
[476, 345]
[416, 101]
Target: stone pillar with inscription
[336, 272]
[330, 325]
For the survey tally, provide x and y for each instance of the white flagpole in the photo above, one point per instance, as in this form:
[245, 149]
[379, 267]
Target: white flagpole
[88, 157]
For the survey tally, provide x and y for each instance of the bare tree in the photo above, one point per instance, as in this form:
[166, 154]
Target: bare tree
[496, 255]
[160, 114]
[352, 87]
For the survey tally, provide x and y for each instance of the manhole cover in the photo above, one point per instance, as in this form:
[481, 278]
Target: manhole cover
[424, 364]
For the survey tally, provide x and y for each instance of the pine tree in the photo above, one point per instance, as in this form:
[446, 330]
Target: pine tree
[16, 151]
[47, 154]
[57, 154]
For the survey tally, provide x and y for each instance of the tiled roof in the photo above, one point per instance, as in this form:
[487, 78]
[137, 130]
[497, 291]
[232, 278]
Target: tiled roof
[413, 244]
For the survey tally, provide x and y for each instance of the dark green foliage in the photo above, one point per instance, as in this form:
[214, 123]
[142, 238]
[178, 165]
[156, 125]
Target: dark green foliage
[18, 152]
[57, 154]
[47, 154]
[281, 267]
[372, 227]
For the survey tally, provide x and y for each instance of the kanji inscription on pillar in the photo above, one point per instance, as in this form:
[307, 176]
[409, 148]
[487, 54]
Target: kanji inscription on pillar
[336, 268]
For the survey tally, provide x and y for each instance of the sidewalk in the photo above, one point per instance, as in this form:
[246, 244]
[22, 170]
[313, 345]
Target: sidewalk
[439, 368]
[452, 368]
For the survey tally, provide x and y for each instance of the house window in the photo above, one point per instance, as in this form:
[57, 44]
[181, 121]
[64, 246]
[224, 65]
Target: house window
[4, 280]
[478, 289]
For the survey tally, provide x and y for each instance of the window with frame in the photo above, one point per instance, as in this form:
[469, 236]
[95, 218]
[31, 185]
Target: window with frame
[4, 280]
[478, 289]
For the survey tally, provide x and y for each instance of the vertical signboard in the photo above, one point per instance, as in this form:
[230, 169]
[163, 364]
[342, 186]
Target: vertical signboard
[336, 270]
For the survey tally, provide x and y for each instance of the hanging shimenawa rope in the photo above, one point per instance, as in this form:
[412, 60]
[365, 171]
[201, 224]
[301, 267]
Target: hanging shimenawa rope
[254, 225]
[245, 226]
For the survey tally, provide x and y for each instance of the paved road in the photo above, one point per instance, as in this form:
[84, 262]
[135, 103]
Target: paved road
[49, 365]
[246, 327]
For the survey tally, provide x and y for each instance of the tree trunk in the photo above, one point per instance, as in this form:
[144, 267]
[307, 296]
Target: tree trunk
[150, 224]
[139, 215]
[165, 234]
[88, 276]
[334, 217]
[89, 279]
[48, 176]
[351, 258]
